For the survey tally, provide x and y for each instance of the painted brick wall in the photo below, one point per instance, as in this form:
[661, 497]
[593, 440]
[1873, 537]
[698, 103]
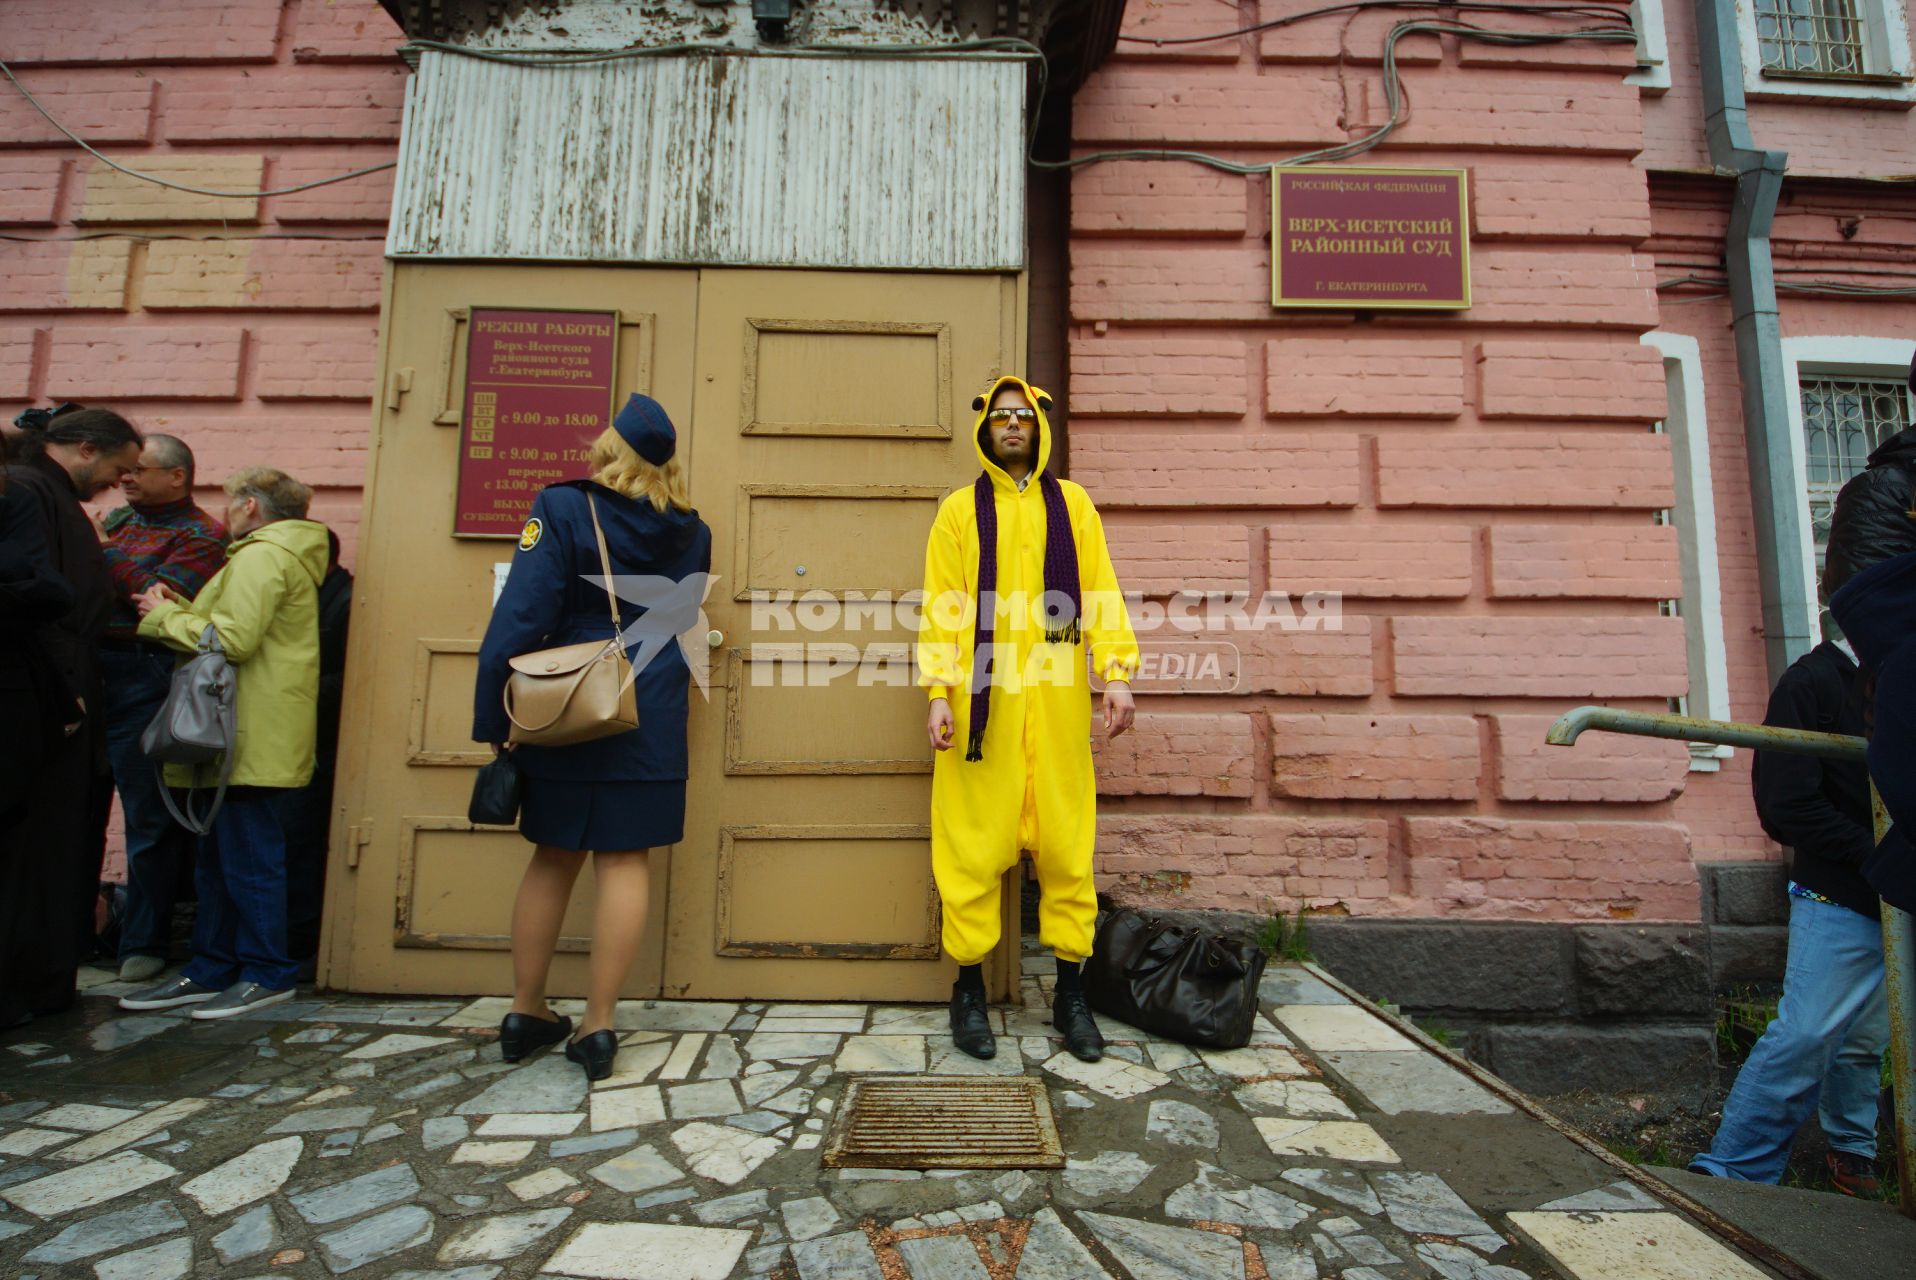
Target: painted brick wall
[1690, 216]
[1823, 139]
[1481, 488]
[245, 326]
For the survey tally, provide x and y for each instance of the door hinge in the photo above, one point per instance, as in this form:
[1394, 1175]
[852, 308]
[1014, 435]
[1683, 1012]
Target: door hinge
[358, 836]
[398, 384]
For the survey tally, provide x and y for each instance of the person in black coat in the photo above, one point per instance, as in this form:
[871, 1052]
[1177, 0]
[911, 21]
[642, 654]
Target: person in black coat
[618, 796]
[65, 460]
[1824, 1050]
[1869, 579]
[308, 811]
[42, 711]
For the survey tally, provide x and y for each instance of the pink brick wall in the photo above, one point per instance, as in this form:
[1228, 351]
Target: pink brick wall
[1824, 140]
[1480, 487]
[252, 337]
[1690, 217]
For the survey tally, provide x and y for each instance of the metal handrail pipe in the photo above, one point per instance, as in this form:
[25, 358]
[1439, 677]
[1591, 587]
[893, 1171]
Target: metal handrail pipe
[1899, 928]
[1834, 746]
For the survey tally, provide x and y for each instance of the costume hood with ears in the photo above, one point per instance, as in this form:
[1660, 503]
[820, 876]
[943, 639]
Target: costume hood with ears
[1040, 400]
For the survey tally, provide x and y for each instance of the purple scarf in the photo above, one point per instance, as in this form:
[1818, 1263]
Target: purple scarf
[1060, 581]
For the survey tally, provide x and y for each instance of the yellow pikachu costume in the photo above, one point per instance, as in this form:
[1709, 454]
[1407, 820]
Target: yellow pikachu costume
[1020, 776]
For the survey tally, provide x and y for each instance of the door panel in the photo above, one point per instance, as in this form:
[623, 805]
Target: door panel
[825, 416]
[417, 899]
[817, 414]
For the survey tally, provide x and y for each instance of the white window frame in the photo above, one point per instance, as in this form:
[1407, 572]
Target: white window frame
[1841, 356]
[1653, 46]
[1886, 60]
[1688, 428]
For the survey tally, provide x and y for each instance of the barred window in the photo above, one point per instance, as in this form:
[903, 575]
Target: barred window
[1844, 419]
[1818, 37]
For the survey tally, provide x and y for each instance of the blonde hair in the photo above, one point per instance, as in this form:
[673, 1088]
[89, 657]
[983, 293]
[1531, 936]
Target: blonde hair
[278, 494]
[616, 466]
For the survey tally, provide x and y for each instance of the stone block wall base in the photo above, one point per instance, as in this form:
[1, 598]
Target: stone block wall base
[1552, 1008]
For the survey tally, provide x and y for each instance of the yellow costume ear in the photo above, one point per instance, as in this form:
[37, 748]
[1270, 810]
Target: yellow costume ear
[1042, 399]
[977, 403]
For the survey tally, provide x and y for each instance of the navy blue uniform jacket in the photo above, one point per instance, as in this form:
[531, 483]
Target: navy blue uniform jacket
[547, 602]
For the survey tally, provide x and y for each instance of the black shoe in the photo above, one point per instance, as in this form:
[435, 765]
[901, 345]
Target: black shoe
[521, 1033]
[594, 1052]
[1072, 1017]
[971, 1024]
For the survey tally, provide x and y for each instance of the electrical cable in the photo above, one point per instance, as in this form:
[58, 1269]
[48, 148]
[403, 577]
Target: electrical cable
[1819, 288]
[1393, 92]
[149, 236]
[155, 179]
[1486, 6]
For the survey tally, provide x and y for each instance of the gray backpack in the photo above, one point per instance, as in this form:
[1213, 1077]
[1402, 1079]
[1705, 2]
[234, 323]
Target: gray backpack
[198, 722]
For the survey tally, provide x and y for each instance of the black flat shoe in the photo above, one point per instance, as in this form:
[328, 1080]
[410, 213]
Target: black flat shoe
[971, 1024]
[521, 1033]
[594, 1052]
[1072, 1017]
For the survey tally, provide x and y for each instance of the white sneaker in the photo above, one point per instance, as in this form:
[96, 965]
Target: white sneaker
[141, 968]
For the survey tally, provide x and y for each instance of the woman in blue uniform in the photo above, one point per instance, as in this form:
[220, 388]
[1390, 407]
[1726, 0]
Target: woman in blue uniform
[618, 797]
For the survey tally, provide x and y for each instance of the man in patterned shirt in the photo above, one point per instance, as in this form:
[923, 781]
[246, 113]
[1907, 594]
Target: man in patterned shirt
[160, 537]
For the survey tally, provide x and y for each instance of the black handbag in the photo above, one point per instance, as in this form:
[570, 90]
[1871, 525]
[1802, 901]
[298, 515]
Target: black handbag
[496, 793]
[1174, 981]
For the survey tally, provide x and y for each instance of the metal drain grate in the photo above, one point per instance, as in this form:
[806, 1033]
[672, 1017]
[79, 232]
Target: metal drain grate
[944, 1122]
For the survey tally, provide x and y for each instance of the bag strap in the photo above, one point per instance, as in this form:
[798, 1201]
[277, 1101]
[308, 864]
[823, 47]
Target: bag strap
[605, 565]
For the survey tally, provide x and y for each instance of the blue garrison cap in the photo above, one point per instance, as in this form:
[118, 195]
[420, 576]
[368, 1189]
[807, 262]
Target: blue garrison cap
[643, 424]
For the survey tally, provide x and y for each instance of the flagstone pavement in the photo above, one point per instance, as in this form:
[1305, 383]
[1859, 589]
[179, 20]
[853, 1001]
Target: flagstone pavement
[384, 1138]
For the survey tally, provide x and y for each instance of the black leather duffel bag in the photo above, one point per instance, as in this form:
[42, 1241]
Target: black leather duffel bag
[1174, 981]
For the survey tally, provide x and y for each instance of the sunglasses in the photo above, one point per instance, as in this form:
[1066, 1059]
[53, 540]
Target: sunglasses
[1004, 417]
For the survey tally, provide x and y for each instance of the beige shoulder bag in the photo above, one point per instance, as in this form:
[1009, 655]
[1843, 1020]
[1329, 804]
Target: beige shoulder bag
[576, 692]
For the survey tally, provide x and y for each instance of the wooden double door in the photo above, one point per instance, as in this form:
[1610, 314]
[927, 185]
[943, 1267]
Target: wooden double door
[822, 416]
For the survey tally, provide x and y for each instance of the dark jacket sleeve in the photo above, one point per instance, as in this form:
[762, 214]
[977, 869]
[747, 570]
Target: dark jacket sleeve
[527, 614]
[1871, 522]
[31, 589]
[1791, 800]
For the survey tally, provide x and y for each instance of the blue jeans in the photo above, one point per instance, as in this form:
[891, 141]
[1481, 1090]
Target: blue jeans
[1825, 1045]
[240, 934]
[158, 849]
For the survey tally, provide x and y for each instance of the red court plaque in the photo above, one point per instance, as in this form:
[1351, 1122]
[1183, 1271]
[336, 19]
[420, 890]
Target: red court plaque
[538, 392]
[1356, 238]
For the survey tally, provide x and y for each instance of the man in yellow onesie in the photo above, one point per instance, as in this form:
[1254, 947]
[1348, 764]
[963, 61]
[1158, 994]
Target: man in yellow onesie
[1018, 560]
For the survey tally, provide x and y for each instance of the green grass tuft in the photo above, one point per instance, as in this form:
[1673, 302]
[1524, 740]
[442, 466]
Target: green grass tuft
[1284, 938]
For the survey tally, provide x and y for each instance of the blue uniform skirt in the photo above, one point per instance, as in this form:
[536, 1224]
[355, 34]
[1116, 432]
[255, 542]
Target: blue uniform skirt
[610, 816]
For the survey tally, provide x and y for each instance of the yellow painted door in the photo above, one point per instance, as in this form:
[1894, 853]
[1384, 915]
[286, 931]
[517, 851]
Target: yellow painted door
[418, 900]
[831, 414]
[824, 415]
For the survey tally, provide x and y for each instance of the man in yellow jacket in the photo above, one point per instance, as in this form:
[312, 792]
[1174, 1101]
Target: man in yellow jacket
[264, 607]
[1018, 585]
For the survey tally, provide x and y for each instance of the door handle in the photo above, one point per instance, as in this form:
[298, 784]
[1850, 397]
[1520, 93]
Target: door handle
[714, 638]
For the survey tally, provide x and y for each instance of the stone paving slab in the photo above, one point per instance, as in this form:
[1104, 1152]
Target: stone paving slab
[384, 1138]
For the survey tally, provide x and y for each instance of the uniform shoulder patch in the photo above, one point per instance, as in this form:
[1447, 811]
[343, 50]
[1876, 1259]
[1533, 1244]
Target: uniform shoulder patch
[529, 536]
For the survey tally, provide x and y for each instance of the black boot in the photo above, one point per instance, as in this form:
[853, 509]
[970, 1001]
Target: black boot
[1071, 1015]
[521, 1033]
[971, 1023]
[594, 1052]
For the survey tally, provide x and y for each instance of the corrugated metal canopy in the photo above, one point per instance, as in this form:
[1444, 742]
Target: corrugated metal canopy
[885, 163]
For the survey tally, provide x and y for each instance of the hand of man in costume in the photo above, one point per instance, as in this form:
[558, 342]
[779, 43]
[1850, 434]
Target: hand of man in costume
[1119, 708]
[940, 725]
